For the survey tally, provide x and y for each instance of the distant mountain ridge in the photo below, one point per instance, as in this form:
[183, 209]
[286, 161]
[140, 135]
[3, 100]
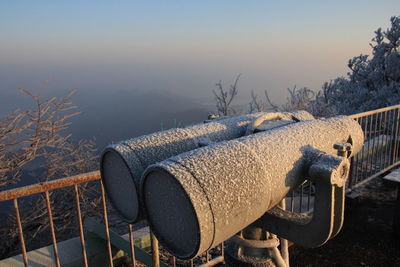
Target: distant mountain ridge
[116, 115]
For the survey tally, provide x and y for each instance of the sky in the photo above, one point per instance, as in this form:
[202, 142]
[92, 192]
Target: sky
[184, 47]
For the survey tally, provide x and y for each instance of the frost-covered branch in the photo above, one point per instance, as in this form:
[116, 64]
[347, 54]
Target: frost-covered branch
[39, 135]
[224, 97]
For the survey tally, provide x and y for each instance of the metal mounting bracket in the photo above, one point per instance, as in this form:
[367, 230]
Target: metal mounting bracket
[329, 174]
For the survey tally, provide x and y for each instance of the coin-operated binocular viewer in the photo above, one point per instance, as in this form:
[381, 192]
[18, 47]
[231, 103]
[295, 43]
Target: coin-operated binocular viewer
[196, 199]
[123, 164]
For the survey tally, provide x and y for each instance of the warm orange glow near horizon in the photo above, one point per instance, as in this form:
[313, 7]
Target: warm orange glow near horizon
[185, 47]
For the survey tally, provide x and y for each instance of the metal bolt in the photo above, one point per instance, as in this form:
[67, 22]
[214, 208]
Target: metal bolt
[343, 149]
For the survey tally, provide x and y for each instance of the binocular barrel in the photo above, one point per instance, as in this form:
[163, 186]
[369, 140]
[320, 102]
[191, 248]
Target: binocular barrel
[199, 198]
[123, 164]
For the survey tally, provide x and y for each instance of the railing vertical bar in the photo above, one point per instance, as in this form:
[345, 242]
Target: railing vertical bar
[365, 158]
[354, 166]
[207, 255]
[173, 261]
[352, 171]
[375, 143]
[103, 202]
[369, 160]
[132, 245]
[363, 151]
[388, 138]
[155, 250]
[383, 142]
[79, 216]
[392, 133]
[222, 249]
[396, 133]
[359, 157]
[283, 242]
[292, 201]
[370, 145]
[301, 198]
[21, 233]
[309, 196]
[379, 149]
[361, 165]
[191, 263]
[53, 232]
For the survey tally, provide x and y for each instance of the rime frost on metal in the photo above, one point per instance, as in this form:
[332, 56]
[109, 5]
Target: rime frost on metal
[231, 184]
[123, 164]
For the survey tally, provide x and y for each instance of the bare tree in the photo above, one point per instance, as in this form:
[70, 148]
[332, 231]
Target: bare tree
[27, 135]
[299, 99]
[224, 97]
[256, 104]
[39, 134]
[272, 105]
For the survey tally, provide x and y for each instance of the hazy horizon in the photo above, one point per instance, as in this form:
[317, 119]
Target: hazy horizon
[176, 51]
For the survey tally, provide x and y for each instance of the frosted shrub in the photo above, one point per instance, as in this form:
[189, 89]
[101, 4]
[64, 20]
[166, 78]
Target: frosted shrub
[373, 81]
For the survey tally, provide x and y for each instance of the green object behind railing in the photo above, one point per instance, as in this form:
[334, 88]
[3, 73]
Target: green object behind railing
[96, 240]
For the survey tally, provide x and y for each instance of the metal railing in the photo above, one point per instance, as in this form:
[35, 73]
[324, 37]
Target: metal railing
[379, 154]
[44, 188]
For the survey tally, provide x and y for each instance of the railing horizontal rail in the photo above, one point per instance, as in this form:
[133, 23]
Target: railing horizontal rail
[375, 111]
[50, 185]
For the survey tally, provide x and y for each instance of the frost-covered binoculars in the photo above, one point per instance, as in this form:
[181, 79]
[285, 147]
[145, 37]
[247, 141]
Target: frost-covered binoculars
[200, 185]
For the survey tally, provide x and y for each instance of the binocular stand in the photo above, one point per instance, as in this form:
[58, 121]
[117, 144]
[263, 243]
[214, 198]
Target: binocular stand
[257, 246]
